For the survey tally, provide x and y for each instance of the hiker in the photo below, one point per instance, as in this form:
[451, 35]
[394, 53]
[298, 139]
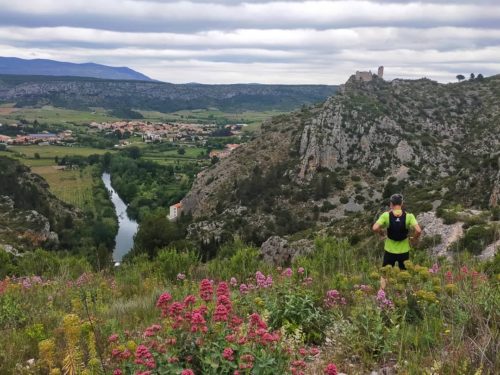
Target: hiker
[398, 223]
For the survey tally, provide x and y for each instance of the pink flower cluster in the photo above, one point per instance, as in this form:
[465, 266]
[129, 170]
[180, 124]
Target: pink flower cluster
[287, 272]
[383, 301]
[206, 290]
[144, 357]
[334, 299]
[434, 269]
[262, 280]
[330, 369]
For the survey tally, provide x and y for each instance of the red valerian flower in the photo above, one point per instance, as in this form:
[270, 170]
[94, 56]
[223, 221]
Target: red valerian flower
[223, 289]
[187, 372]
[228, 354]
[330, 369]
[206, 290]
[220, 314]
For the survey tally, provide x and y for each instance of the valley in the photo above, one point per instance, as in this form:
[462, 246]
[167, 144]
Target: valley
[271, 230]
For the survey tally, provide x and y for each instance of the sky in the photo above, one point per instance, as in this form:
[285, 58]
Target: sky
[263, 41]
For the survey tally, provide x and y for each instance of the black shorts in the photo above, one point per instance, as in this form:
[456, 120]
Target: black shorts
[390, 258]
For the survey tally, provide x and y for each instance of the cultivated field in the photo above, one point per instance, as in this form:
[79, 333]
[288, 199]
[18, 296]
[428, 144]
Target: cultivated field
[26, 154]
[71, 186]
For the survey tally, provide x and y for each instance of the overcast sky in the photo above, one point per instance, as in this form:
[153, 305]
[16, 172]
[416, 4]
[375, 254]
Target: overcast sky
[231, 41]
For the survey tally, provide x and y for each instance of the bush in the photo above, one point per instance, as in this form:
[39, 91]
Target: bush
[170, 263]
[477, 237]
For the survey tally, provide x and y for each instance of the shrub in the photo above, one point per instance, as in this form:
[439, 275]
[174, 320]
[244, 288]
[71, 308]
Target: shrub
[171, 263]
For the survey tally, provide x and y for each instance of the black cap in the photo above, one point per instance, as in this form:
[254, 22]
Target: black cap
[397, 199]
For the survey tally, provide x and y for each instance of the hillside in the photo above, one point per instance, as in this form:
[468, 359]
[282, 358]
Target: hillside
[82, 93]
[439, 144]
[30, 216]
[44, 67]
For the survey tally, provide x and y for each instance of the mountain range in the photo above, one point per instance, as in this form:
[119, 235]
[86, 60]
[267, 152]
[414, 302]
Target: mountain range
[84, 93]
[17, 66]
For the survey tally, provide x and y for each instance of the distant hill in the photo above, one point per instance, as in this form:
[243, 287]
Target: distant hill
[83, 93]
[14, 65]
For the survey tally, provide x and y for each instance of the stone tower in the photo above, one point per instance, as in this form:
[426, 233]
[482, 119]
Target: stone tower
[380, 72]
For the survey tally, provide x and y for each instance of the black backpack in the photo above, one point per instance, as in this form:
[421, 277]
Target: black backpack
[397, 230]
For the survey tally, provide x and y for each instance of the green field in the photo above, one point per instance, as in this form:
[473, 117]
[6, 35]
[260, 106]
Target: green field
[71, 186]
[26, 154]
[173, 157]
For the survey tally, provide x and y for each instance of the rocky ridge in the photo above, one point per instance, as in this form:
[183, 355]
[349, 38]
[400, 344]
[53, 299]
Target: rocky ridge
[437, 143]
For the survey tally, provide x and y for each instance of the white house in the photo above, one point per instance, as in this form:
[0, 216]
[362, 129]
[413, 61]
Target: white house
[175, 211]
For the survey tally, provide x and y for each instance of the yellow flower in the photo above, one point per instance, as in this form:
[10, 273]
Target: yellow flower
[374, 275]
[403, 276]
[47, 351]
[450, 288]
[131, 345]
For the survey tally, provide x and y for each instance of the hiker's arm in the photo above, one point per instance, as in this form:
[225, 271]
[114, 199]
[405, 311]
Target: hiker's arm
[377, 228]
[417, 231]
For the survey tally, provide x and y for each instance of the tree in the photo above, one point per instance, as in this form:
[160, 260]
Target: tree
[181, 151]
[460, 77]
[37, 155]
[472, 77]
[155, 232]
[480, 77]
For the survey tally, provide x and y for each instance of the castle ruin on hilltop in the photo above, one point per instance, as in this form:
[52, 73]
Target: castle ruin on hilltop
[368, 76]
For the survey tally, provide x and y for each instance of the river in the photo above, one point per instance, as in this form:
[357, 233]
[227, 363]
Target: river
[127, 227]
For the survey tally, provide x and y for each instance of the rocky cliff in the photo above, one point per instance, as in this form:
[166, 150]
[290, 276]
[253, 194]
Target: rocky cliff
[437, 143]
[30, 216]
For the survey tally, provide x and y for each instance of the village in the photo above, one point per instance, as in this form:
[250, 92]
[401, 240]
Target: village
[165, 132]
[63, 137]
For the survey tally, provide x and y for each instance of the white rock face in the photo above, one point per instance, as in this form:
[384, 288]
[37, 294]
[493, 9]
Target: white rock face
[433, 225]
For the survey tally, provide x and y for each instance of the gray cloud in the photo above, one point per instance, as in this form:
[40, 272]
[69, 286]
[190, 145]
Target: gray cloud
[267, 41]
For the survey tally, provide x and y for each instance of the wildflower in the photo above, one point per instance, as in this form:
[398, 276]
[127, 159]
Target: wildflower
[434, 269]
[330, 369]
[150, 331]
[287, 273]
[220, 314]
[181, 276]
[243, 289]
[187, 372]
[308, 281]
[299, 364]
[206, 290]
[175, 309]
[198, 323]
[301, 270]
[225, 301]
[449, 276]
[228, 354]
[303, 352]
[163, 301]
[117, 372]
[189, 300]
[233, 282]
[113, 338]
[333, 298]
[382, 300]
[223, 289]
[314, 351]
[144, 357]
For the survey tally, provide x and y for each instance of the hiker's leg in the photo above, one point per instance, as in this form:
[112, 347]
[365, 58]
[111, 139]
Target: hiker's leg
[389, 259]
[402, 258]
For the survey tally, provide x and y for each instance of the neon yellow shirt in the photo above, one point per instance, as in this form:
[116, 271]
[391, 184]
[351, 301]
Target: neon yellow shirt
[397, 247]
